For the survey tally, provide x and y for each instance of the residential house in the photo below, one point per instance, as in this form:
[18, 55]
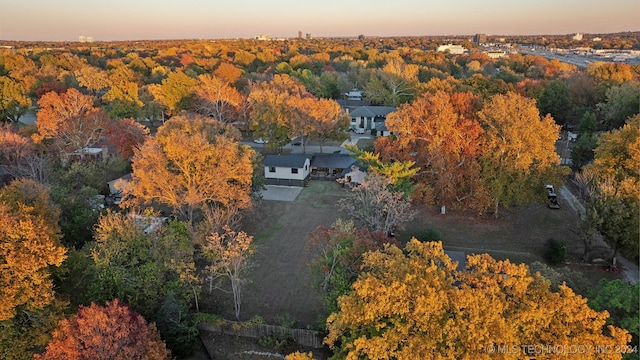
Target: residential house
[330, 166]
[289, 170]
[370, 118]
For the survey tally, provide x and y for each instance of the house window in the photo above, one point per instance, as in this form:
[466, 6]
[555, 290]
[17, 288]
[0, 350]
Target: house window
[272, 169]
[294, 170]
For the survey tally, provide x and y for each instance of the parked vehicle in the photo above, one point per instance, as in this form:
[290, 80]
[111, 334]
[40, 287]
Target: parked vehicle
[552, 198]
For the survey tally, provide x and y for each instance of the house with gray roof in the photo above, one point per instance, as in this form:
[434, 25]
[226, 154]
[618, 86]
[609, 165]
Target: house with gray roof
[289, 170]
[369, 117]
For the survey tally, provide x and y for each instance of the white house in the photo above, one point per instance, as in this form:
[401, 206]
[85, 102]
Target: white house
[369, 117]
[290, 170]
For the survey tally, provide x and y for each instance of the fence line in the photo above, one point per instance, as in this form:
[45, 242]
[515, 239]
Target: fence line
[310, 338]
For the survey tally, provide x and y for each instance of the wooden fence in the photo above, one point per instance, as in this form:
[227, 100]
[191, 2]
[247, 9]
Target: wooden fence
[303, 337]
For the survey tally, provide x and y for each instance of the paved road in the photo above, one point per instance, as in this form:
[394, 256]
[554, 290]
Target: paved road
[630, 271]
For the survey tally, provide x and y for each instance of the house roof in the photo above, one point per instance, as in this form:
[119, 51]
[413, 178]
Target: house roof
[372, 111]
[353, 103]
[332, 161]
[289, 161]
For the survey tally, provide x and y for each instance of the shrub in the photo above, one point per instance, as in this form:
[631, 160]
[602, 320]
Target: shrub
[556, 251]
[429, 235]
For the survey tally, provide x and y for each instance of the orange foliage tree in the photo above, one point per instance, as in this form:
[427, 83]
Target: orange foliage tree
[70, 120]
[414, 304]
[272, 110]
[29, 245]
[193, 162]
[126, 135]
[112, 332]
[441, 133]
[216, 98]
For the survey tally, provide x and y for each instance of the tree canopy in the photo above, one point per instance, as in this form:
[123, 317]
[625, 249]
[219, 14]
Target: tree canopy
[100, 333]
[415, 304]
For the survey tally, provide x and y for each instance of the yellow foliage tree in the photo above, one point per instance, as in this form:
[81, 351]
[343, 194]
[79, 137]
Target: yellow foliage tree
[29, 244]
[193, 162]
[414, 304]
[519, 155]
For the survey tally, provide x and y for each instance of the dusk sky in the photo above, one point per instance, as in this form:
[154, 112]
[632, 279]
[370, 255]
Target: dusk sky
[201, 19]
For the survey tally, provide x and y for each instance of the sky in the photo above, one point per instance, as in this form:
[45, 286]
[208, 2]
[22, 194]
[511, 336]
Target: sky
[112, 20]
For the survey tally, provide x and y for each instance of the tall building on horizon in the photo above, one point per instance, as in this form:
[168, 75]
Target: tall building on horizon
[479, 38]
[299, 34]
[82, 39]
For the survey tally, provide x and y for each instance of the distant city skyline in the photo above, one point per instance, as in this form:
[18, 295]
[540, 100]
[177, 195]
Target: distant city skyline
[66, 20]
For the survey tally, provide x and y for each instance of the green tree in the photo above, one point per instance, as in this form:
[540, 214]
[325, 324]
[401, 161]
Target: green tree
[337, 253]
[175, 93]
[622, 102]
[13, 100]
[582, 152]
[555, 101]
[614, 189]
[29, 331]
[621, 300]
[138, 259]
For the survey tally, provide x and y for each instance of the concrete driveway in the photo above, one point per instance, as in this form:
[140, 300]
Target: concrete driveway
[281, 193]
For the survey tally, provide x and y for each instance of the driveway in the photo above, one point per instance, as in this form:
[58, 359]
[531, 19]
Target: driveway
[281, 193]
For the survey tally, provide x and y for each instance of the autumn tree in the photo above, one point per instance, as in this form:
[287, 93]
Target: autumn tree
[19, 157]
[271, 109]
[122, 94]
[69, 120]
[175, 93]
[394, 84]
[415, 304]
[227, 72]
[441, 133]
[328, 121]
[29, 245]
[398, 172]
[229, 255]
[13, 100]
[92, 78]
[519, 155]
[216, 98]
[167, 170]
[126, 135]
[375, 206]
[109, 332]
